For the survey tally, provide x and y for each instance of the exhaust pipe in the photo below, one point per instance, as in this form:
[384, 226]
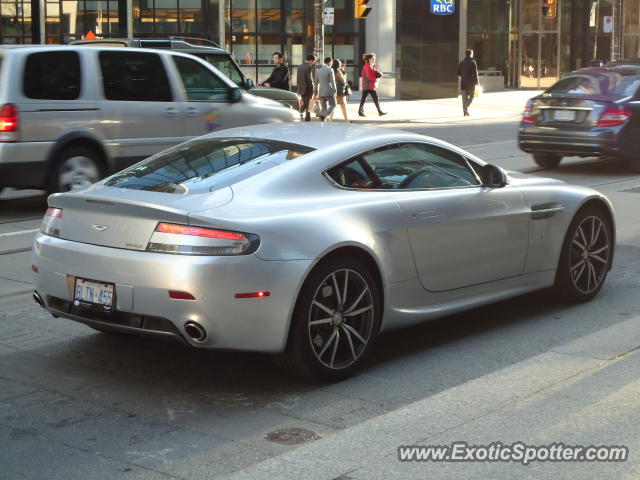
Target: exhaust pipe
[195, 331]
[38, 299]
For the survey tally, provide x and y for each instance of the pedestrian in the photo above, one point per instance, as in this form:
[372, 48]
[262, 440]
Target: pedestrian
[370, 78]
[342, 88]
[306, 86]
[279, 78]
[468, 73]
[326, 88]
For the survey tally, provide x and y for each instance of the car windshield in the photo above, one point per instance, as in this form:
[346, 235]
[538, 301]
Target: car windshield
[225, 65]
[206, 164]
[616, 81]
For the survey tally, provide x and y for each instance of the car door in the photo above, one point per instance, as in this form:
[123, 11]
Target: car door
[461, 233]
[210, 102]
[140, 114]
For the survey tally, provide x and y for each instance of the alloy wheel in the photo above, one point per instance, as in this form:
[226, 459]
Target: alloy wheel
[590, 253]
[341, 318]
[77, 170]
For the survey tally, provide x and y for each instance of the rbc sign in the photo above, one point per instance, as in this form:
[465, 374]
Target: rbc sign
[443, 7]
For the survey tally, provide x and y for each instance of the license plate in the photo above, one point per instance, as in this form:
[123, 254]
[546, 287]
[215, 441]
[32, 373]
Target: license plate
[96, 293]
[564, 115]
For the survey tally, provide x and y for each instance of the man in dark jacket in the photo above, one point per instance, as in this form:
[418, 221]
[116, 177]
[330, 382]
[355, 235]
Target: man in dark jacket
[279, 78]
[306, 86]
[468, 73]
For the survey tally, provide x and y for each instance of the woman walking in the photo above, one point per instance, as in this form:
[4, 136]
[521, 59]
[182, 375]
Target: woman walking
[343, 89]
[370, 76]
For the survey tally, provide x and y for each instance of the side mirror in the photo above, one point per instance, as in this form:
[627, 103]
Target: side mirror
[248, 84]
[493, 176]
[235, 95]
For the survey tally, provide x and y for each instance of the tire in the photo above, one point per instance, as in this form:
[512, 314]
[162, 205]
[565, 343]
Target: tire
[586, 256]
[547, 160]
[333, 347]
[75, 166]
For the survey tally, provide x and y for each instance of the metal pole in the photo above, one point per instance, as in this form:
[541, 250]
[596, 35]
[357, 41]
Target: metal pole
[318, 30]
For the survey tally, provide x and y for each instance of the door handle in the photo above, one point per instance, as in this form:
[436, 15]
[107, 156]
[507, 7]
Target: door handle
[170, 112]
[426, 214]
[192, 111]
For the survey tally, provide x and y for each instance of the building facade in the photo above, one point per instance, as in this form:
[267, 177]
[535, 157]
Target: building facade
[518, 43]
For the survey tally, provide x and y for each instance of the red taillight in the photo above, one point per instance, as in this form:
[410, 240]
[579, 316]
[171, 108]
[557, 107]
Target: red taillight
[35, 269]
[198, 231]
[526, 115]
[178, 295]
[253, 295]
[612, 117]
[9, 119]
[54, 212]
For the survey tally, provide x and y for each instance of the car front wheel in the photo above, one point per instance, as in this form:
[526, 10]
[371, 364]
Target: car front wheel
[336, 321]
[586, 256]
[547, 160]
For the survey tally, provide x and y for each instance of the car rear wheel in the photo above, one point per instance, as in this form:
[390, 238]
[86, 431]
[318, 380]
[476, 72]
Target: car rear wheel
[547, 160]
[335, 323]
[586, 256]
[75, 166]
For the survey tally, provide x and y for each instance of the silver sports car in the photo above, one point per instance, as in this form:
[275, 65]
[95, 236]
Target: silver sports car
[308, 240]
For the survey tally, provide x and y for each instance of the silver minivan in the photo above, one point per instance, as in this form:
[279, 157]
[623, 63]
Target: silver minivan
[71, 115]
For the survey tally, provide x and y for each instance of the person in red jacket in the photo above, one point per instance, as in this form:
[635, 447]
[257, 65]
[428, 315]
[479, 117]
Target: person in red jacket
[370, 76]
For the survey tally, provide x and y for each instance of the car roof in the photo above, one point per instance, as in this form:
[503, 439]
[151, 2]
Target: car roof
[156, 43]
[319, 135]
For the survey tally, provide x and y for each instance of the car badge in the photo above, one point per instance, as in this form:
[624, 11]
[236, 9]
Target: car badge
[99, 228]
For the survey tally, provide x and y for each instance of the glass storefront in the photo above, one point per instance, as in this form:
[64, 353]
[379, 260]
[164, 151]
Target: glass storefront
[16, 22]
[255, 29]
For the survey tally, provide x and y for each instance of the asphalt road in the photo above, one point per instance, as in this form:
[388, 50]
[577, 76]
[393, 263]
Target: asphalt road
[78, 404]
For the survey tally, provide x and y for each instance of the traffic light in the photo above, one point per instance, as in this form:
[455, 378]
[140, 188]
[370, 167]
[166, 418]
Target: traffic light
[549, 8]
[361, 9]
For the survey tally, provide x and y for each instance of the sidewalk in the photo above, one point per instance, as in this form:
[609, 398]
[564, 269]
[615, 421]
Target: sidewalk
[507, 104]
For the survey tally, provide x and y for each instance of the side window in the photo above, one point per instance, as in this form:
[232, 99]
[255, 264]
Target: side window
[353, 174]
[199, 82]
[226, 66]
[135, 77]
[52, 76]
[409, 166]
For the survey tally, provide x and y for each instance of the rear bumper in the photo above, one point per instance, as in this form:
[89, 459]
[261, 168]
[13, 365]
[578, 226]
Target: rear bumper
[597, 142]
[142, 281]
[24, 164]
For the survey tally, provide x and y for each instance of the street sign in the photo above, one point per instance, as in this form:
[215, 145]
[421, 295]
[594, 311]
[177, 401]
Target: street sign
[328, 16]
[608, 25]
[443, 7]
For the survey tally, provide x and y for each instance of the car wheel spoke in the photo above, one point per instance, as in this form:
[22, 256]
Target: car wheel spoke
[336, 288]
[335, 349]
[600, 250]
[355, 333]
[326, 345]
[580, 263]
[346, 284]
[582, 236]
[580, 246]
[579, 274]
[594, 236]
[355, 304]
[359, 311]
[321, 321]
[598, 258]
[348, 335]
[324, 308]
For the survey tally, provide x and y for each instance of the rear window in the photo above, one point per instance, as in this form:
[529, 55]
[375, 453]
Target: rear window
[206, 164]
[623, 82]
[52, 76]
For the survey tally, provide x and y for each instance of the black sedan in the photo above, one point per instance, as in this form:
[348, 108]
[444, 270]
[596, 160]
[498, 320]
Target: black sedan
[591, 112]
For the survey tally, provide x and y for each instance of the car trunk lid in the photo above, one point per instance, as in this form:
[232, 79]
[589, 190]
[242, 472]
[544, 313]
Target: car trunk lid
[128, 219]
[569, 112]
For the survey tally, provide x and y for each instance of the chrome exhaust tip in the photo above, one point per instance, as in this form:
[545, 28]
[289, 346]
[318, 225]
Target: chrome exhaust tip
[38, 299]
[195, 331]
